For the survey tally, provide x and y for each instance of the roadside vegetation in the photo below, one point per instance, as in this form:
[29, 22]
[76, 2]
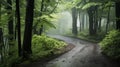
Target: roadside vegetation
[43, 48]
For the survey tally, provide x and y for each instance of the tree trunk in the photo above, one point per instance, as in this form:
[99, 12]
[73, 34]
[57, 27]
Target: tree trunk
[100, 20]
[117, 6]
[42, 9]
[86, 21]
[83, 21]
[99, 24]
[10, 22]
[74, 19]
[80, 21]
[18, 27]
[1, 44]
[41, 30]
[108, 19]
[90, 13]
[95, 20]
[0, 10]
[35, 26]
[28, 29]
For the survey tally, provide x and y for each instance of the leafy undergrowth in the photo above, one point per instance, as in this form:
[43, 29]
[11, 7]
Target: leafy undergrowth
[92, 38]
[45, 49]
[85, 36]
[45, 46]
[110, 45]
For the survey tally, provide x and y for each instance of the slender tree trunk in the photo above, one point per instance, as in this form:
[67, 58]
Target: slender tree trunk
[10, 22]
[80, 20]
[0, 10]
[74, 17]
[90, 13]
[19, 27]
[1, 44]
[28, 29]
[83, 21]
[108, 20]
[1, 36]
[35, 26]
[117, 6]
[95, 20]
[100, 20]
[42, 9]
[86, 21]
[99, 24]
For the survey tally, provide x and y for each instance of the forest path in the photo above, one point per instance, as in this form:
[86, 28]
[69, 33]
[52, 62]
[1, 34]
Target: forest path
[85, 54]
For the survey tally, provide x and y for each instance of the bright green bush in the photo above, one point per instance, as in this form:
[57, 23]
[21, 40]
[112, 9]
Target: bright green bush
[110, 45]
[43, 45]
[47, 43]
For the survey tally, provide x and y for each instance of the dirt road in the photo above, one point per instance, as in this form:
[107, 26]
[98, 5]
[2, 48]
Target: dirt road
[85, 54]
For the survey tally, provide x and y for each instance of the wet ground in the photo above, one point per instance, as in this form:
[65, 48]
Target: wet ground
[84, 54]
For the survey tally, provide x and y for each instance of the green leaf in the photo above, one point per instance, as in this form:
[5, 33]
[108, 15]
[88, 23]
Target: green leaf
[90, 4]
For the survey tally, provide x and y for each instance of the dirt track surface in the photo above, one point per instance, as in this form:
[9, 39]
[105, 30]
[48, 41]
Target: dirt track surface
[85, 54]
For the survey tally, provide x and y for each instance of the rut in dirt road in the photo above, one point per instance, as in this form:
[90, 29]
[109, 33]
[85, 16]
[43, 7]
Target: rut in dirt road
[85, 54]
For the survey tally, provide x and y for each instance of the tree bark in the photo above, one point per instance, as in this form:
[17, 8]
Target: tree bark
[108, 19]
[42, 9]
[10, 22]
[0, 10]
[90, 13]
[117, 6]
[27, 51]
[83, 21]
[95, 20]
[80, 29]
[1, 44]
[74, 21]
[18, 27]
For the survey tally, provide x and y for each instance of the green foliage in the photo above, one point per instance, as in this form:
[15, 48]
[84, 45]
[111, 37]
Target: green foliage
[90, 4]
[110, 45]
[46, 21]
[10, 56]
[46, 43]
[43, 46]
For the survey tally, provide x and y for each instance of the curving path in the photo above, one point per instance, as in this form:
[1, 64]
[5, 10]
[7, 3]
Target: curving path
[85, 54]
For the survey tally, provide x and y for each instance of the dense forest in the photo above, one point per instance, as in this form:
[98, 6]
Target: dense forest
[26, 27]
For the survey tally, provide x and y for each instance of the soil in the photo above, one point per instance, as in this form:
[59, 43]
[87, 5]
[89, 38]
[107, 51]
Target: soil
[41, 62]
[83, 54]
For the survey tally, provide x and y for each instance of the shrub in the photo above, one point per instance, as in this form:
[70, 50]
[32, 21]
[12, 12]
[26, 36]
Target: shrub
[110, 45]
[43, 45]
[47, 43]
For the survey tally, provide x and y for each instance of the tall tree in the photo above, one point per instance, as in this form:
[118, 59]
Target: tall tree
[1, 44]
[74, 21]
[90, 13]
[28, 29]
[108, 19]
[42, 9]
[117, 6]
[18, 26]
[10, 21]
